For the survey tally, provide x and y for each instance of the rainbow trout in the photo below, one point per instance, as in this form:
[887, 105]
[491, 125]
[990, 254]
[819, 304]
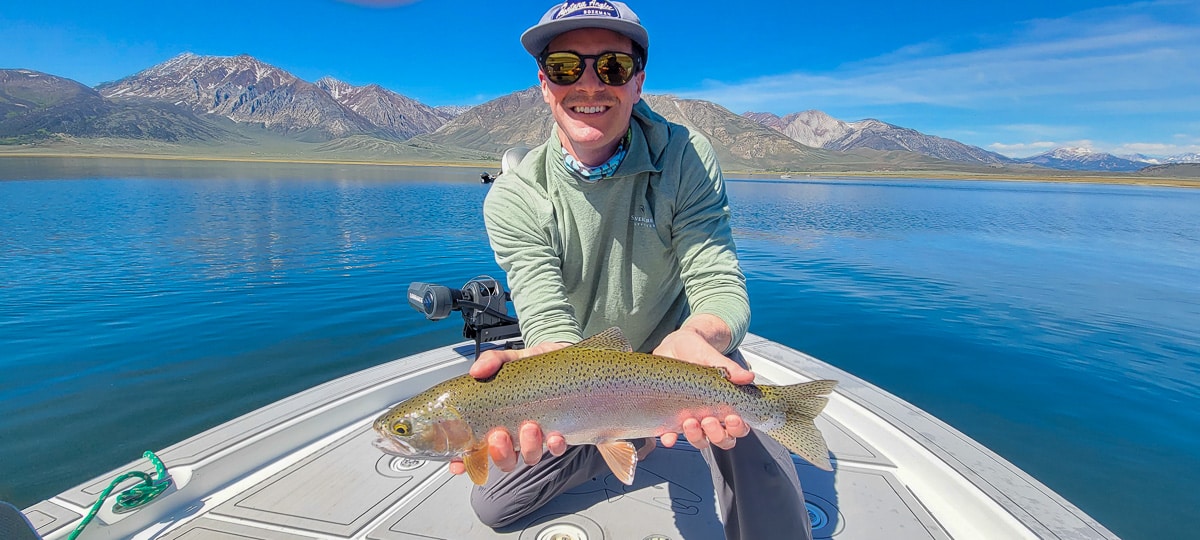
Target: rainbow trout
[596, 392]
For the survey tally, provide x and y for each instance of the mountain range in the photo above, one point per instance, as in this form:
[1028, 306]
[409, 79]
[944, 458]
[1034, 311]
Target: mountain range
[240, 106]
[819, 130]
[1083, 159]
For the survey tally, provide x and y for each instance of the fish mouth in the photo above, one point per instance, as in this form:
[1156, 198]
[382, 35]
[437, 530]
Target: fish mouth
[397, 448]
[393, 447]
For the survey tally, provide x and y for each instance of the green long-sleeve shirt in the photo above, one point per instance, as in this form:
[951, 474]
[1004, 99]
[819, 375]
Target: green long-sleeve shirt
[642, 250]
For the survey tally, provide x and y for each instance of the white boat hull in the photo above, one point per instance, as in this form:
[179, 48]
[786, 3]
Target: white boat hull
[304, 468]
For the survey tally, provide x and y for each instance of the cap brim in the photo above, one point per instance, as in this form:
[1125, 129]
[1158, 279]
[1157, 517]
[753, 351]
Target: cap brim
[537, 38]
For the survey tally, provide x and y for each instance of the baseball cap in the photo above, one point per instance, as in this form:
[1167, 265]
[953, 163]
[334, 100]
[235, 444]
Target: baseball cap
[567, 16]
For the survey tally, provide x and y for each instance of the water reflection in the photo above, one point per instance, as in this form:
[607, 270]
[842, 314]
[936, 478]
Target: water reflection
[66, 168]
[1043, 320]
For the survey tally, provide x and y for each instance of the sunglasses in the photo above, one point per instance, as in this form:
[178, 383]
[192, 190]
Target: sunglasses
[613, 68]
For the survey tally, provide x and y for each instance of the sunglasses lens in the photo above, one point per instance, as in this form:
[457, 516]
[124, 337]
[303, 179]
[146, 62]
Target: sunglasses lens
[615, 69]
[563, 67]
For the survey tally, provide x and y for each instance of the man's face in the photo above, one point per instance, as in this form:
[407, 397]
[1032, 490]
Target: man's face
[591, 116]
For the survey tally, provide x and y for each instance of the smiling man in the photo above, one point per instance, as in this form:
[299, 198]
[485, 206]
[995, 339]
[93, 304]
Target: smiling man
[592, 116]
[621, 219]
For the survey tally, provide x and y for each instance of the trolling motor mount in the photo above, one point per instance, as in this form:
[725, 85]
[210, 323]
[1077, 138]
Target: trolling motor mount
[482, 301]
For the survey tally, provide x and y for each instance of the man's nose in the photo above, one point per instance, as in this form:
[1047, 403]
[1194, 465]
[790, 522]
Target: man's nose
[590, 80]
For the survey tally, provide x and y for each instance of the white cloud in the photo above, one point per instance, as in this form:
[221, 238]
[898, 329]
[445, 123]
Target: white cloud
[1039, 131]
[1116, 66]
[1062, 58]
[1023, 149]
[1155, 149]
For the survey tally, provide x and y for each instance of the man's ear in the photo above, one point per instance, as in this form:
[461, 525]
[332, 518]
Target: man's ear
[545, 87]
[640, 78]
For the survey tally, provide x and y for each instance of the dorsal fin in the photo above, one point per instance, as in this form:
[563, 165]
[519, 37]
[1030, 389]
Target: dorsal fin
[608, 340]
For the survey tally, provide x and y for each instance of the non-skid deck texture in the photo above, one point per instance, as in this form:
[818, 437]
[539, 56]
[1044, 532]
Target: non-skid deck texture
[348, 490]
[330, 487]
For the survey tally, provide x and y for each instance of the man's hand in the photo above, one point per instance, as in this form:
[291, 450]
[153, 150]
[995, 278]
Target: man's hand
[500, 444]
[697, 342]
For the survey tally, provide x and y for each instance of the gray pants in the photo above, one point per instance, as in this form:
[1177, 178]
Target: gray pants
[756, 486]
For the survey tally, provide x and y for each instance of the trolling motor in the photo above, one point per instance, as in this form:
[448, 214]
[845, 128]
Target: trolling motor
[509, 161]
[482, 301]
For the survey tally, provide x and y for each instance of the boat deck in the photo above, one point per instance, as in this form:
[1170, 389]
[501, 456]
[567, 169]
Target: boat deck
[305, 468]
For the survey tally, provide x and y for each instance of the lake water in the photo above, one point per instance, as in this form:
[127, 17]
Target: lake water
[142, 302]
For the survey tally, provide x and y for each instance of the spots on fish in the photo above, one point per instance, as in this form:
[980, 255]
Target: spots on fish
[596, 390]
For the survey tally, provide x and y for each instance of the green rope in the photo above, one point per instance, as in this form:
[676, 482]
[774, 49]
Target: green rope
[140, 494]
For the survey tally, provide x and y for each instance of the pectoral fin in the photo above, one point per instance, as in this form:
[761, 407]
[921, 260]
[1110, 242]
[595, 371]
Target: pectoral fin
[477, 466]
[621, 457]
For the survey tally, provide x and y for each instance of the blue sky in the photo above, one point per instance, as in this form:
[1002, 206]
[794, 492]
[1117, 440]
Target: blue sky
[1016, 77]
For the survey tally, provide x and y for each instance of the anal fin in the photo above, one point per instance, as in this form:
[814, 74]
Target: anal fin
[621, 457]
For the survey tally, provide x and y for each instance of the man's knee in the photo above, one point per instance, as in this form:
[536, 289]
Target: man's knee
[495, 512]
[508, 497]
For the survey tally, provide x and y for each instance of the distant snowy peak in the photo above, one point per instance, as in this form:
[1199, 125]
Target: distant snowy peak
[399, 115]
[1083, 159]
[190, 77]
[336, 88]
[810, 128]
[1072, 152]
[1192, 157]
[245, 89]
[1143, 158]
[452, 111]
[819, 130]
[1183, 158]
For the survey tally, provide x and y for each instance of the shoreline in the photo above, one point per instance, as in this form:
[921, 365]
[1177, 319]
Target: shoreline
[1084, 177]
[1081, 177]
[249, 159]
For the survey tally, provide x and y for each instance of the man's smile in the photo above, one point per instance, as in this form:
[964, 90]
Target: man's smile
[592, 109]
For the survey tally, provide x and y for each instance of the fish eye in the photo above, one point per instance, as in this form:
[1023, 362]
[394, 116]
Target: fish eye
[402, 428]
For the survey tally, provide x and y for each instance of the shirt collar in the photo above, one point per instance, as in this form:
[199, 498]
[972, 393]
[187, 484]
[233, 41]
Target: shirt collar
[603, 170]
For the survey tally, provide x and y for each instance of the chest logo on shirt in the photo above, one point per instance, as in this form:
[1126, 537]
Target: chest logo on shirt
[642, 220]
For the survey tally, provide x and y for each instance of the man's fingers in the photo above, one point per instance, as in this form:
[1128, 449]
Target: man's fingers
[716, 434]
[489, 362]
[694, 433]
[531, 443]
[457, 466]
[556, 443]
[710, 431]
[736, 427]
[737, 374]
[500, 448]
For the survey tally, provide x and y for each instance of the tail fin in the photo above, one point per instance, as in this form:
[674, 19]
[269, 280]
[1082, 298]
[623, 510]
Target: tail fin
[801, 404]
